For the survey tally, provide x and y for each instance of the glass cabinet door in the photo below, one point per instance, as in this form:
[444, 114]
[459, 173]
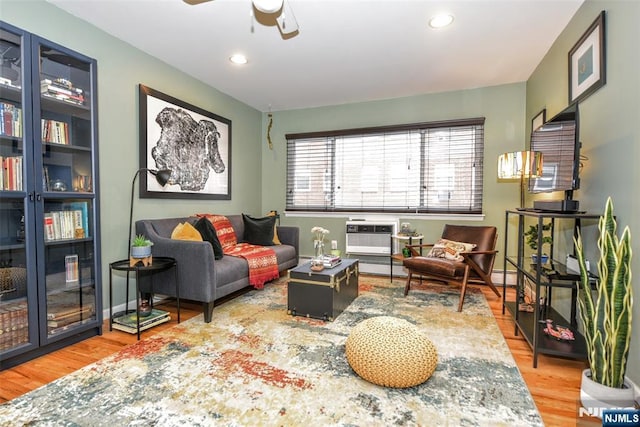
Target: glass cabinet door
[17, 299]
[50, 292]
[66, 177]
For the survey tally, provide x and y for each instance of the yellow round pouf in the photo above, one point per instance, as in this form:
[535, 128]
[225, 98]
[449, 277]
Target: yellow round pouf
[390, 352]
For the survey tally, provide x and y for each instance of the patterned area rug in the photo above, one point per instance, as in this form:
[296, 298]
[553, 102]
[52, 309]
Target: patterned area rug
[255, 365]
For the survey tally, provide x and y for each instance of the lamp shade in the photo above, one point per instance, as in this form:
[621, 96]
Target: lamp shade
[162, 176]
[520, 164]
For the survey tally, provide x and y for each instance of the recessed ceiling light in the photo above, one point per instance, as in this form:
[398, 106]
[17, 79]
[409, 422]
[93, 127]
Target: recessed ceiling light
[238, 59]
[440, 21]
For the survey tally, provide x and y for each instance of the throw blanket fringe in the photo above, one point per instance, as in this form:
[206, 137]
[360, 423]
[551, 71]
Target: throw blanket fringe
[263, 265]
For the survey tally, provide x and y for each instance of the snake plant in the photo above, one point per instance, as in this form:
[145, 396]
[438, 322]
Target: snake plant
[607, 320]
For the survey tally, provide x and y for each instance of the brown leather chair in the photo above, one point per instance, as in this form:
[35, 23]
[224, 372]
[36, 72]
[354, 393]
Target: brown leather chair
[476, 265]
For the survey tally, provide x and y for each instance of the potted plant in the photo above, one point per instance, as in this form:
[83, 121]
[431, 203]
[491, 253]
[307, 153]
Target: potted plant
[531, 236]
[607, 319]
[141, 247]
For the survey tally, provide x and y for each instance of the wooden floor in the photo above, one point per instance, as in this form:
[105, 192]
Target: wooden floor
[554, 384]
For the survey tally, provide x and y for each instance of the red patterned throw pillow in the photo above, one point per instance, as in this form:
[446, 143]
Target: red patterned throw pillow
[224, 230]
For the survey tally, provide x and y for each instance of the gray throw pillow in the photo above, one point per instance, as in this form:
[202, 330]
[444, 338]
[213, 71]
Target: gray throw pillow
[259, 231]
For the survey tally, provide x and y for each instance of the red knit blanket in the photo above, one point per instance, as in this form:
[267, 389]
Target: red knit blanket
[263, 265]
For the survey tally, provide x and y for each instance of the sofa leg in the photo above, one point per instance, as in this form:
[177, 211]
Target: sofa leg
[207, 308]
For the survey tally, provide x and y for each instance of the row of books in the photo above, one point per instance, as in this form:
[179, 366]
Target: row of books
[55, 132]
[11, 123]
[68, 223]
[63, 315]
[129, 322]
[63, 90]
[14, 323]
[11, 176]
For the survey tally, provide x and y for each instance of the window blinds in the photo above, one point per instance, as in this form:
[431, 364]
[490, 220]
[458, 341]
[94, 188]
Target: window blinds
[426, 167]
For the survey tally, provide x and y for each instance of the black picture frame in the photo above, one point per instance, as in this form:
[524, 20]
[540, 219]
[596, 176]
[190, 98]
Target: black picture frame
[587, 62]
[539, 119]
[193, 143]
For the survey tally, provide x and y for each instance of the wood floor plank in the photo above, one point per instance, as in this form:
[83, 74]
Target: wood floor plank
[554, 384]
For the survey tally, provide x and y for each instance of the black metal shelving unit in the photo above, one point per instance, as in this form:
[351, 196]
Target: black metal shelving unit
[543, 277]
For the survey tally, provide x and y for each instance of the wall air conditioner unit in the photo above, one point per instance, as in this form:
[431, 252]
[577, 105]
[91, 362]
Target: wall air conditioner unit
[370, 237]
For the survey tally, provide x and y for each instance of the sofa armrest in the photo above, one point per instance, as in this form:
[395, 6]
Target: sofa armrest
[290, 235]
[195, 263]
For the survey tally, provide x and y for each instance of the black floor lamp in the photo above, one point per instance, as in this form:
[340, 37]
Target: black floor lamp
[162, 176]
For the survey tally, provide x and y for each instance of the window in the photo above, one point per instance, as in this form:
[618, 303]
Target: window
[419, 168]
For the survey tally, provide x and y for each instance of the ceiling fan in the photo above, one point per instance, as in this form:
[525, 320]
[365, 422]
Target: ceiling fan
[270, 12]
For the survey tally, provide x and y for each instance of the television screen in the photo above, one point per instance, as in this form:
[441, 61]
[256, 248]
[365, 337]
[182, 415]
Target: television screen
[558, 141]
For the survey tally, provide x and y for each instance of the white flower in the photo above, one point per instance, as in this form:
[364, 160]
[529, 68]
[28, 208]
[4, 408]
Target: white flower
[319, 232]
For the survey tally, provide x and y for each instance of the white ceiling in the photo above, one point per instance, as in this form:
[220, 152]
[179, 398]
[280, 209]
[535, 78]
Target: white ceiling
[346, 50]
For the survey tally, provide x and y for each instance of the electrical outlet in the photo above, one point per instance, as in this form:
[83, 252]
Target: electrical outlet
[334, 244]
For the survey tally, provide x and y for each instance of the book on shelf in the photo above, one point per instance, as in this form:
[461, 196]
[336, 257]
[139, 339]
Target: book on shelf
[64, 311]
[10, 120]
[62, 90]
[81, 218]
[71, 268]
[55, 132]
[69, 319]
[11, 173]
[129, 322]
[67, 223]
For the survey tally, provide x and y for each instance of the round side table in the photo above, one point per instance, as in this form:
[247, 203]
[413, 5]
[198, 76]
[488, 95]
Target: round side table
[158, 264]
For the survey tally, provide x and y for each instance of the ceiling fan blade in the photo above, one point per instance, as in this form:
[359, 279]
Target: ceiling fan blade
[194, 2]
[286, 20]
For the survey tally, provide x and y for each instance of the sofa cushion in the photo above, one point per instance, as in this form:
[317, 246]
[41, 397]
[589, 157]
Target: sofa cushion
[259, 231]
[450, 249]
[208, 233]
[186, 231]
[224, 230]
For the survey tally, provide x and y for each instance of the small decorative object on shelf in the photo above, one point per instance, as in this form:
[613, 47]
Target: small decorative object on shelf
[318, 246]
[532, 240]
[406, 230]
[561, 333]
[144, 308]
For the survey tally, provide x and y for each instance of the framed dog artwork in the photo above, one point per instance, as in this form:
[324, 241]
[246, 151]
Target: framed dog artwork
[193, 143]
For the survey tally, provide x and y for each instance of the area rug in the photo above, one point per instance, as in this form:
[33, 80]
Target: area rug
[255, 365]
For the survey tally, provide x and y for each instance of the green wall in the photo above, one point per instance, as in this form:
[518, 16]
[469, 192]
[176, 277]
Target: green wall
[609, 128]
[502, 106]
[120, 69]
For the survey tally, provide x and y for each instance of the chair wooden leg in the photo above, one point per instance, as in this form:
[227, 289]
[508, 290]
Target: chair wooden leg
[406, 287]
[463, 291]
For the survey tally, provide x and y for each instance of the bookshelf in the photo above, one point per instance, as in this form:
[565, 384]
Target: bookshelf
[48, 197]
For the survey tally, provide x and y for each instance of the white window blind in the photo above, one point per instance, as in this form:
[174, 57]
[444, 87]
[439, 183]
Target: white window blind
[425, 167]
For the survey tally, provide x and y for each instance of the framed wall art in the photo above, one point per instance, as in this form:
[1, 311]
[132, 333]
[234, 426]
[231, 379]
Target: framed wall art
[193, 143]
[587, 67]
[539, 119]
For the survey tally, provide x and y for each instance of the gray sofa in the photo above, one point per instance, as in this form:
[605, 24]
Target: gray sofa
[201, 277]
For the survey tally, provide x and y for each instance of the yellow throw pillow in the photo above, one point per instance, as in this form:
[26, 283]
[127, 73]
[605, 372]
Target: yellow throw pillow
[276, 240]
[450, 249]
[186, 231]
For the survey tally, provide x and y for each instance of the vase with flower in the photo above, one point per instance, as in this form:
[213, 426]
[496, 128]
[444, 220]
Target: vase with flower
[318, 246]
